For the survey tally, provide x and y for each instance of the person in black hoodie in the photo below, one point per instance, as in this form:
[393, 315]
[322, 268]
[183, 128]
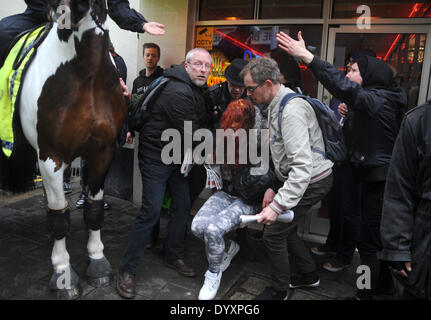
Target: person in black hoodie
[370, 91]
[181, 100]
[151, 56]
[38, 12]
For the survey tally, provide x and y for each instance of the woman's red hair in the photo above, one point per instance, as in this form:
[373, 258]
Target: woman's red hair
[239, 111]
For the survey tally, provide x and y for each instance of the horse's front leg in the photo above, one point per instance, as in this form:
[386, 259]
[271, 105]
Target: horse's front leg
[99, 271]
[64, 279]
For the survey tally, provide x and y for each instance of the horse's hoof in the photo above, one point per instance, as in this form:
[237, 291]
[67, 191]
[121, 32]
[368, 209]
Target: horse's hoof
[65, 284]
[69, 294]
[99, 273]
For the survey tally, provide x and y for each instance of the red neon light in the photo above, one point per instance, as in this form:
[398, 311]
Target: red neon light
[239, 44]
[415, 8]
[392, 46]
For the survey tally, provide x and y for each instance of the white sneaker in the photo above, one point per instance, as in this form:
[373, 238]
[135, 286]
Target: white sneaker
[228, 256]
[211, 285]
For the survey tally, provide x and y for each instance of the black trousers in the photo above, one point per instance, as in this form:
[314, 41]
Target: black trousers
[344, 208]
[369, 243]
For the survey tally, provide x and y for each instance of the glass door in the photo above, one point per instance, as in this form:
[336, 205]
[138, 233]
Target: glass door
[406, 48]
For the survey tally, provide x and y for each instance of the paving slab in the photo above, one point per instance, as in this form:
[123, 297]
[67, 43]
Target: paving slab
[25, 257]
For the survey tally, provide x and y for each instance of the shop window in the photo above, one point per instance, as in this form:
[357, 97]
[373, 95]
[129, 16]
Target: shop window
[282, 9]
[383, 8]
[226, 9]
[246, 42]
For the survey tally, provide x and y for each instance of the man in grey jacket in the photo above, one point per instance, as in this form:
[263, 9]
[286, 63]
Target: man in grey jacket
[305, 177]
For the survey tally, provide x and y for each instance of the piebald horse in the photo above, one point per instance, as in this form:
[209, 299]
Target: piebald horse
[72, 105]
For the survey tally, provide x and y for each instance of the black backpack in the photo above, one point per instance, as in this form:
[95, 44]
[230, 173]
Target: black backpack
[335, 146]
[139, 116]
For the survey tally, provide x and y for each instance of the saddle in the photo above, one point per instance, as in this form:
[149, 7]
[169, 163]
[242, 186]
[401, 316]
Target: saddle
[14, 68]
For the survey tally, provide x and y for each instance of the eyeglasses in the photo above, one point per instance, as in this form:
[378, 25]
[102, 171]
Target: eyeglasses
[253, 88]
[200, 65]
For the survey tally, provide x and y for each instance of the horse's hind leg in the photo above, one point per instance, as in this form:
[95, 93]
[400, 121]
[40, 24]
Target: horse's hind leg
[99, 271]
[64, 279]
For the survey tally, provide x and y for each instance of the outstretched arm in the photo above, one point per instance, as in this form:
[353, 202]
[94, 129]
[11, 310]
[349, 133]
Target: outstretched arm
[332, 79]
[295, 48]
[130, 19]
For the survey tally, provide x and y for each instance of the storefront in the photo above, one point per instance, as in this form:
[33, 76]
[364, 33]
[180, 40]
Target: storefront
[397, 31]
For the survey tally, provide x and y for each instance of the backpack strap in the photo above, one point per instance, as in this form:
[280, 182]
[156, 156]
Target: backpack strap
[157, 84]
[283, 103]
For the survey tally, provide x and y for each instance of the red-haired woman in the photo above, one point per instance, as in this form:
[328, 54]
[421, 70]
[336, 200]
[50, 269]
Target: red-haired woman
[221, 213]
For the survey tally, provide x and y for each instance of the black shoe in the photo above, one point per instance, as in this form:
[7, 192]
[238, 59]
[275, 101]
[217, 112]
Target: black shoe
[180, 266]
[271, 294]
[322, 250]
[310, 280]
[126, 285]
[335, 265]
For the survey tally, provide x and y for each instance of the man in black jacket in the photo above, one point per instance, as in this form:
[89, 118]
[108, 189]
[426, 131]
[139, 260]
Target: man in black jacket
[38, 12]
[406, 218]
[151, 55]
[180, 101]
[370, 91]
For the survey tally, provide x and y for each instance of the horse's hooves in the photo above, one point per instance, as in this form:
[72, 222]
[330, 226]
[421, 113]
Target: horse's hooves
[101, 282]
[99, 273]
[68, 294]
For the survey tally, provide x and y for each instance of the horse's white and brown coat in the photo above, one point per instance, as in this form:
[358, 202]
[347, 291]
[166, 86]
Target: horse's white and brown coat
[72, 105]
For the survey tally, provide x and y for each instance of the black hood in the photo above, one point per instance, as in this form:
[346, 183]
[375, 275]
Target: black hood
[179, 72]
[397, 95]
[375, 72]
[157, 73]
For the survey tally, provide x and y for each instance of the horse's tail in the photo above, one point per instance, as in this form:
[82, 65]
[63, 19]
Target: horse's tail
[18, 172]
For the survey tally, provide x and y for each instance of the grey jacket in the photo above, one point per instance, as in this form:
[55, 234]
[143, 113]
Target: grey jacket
[295, 164]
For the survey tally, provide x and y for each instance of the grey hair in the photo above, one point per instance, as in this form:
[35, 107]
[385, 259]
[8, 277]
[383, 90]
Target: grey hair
[191, 53]
[262, 69]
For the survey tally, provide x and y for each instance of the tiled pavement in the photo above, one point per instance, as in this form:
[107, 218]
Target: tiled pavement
[25, 264]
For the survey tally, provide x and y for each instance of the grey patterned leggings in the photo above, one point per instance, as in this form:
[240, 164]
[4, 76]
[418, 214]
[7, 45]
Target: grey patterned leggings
[219, 215]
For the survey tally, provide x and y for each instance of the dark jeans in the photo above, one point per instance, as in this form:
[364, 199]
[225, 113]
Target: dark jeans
[12, 26]
[281, 238]
[369, 243]
[344, 208]
[156, 176]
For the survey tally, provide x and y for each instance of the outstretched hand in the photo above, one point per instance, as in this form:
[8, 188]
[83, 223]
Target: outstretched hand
[295, 48]
[154, 28]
